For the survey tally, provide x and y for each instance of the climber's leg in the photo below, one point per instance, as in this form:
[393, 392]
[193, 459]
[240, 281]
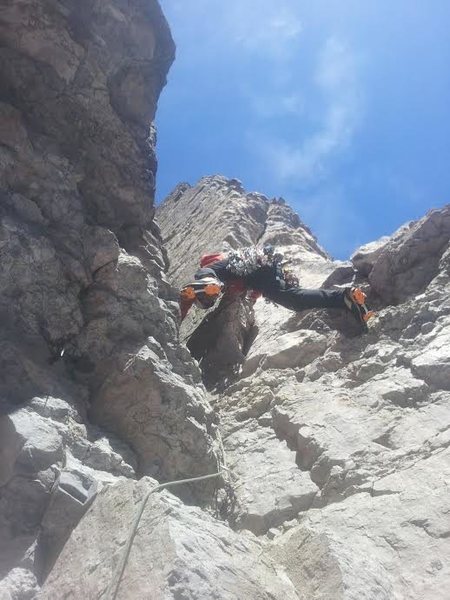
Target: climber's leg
[298, 299]
[295, 298]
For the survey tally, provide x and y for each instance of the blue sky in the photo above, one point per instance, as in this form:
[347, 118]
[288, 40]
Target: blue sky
[339, 106]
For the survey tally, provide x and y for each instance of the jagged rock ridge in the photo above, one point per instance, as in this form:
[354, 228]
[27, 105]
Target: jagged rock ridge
[218, 212]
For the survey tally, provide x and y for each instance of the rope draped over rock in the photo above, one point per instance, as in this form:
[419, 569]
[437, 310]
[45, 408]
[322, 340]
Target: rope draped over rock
[113, 589]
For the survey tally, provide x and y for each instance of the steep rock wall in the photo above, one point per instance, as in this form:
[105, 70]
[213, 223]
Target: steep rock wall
[337, 443]
[88, 329]
[218, 214]
[337, 446]
[179, 552]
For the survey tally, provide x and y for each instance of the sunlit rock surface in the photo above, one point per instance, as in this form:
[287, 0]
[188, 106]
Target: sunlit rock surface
[178, 552]
[338, 442]
[335, 446]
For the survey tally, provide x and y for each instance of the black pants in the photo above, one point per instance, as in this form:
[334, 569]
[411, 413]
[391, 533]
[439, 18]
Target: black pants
[273, 287]
[298, 299]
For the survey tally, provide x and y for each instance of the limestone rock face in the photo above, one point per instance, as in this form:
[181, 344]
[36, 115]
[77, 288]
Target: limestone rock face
[337, 442]
[389, 543]
[93, 382]
[217, 215]
[334, 446]
[407, 263]
[52, 466]
[178, 552]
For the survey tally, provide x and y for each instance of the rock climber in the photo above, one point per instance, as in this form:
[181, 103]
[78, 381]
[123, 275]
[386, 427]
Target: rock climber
[262, 272]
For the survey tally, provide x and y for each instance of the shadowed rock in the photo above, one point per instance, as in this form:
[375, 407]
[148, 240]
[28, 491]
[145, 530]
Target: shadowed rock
[82, 282]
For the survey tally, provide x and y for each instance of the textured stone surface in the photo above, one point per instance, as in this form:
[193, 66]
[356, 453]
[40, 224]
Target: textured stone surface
[295, 349]
[51, 468]
[337, 443]
[165, 416]
[269, 487]
[188, 553]
[82, 267]
[407, 263]
[391, 543]
[218, 214]
[82, 283]
[20, 584]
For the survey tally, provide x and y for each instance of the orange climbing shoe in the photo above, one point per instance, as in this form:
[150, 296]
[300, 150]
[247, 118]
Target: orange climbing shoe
[355, 300]
[357, 295]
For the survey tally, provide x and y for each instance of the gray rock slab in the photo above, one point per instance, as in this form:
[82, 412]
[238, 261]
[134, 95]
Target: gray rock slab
[390, 545]
[19, 584]
[178, 551]
[269, 486]
[42, 446]
[433, 363]
[289, 350]
[167, 421]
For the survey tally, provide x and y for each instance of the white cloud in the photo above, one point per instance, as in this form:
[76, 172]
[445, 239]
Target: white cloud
[336, 79]
[272, 103]
[254, 27]
[265, 28]
[266, 43]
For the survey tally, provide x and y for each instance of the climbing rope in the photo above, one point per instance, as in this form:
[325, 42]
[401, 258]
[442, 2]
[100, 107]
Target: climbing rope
[113, 589]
